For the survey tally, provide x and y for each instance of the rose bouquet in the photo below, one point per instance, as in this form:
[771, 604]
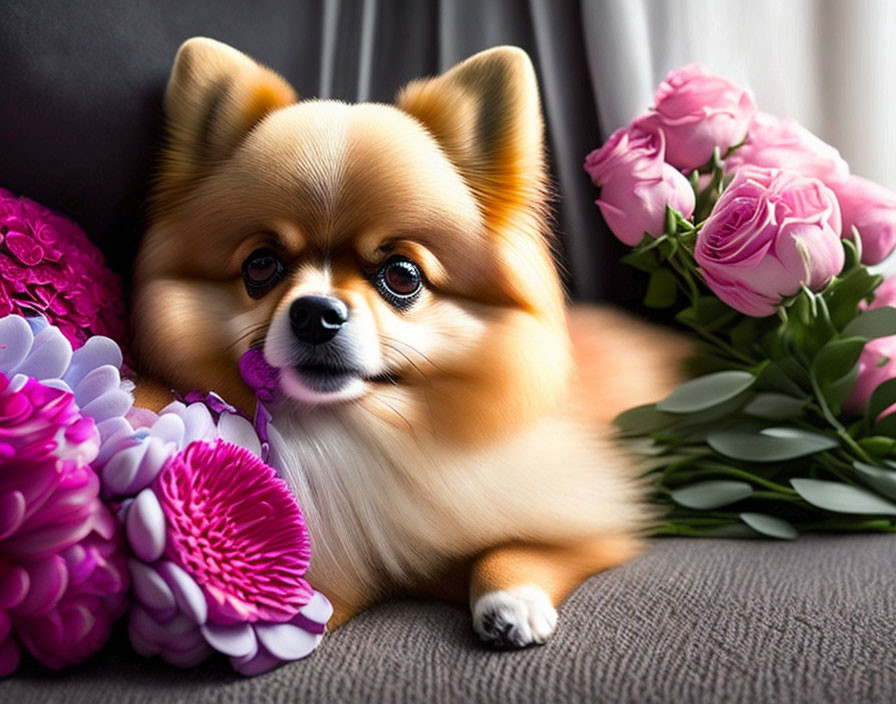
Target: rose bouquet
[754, 229]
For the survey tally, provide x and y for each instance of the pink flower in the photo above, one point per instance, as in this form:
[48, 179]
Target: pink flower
[636, 185]
[236, 530]
[49, 267]
[770, 232]
[780, 143]
[871, 209]
[698, 111]
[877, 363]
[62, 569]
[219, 543]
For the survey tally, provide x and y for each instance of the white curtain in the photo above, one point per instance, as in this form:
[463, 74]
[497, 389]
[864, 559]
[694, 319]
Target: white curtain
[830, 64]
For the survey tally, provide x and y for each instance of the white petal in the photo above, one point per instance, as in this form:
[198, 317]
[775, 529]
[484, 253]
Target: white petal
[173, 407]
[150, 589]
[319, 609]
[198, 423]
[97, 382]
[145, 527]
[56, 384]
[96, 352]
[49, 357]
[156, 455]
[113, 403]
[189, 597]
[286, 641]
[16, 339]
[120, 470]
[236, 641]
[189, 658]
[168, 428]
[239, 431]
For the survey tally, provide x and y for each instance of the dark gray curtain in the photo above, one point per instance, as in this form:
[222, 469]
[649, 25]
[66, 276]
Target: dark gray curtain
[81, 83]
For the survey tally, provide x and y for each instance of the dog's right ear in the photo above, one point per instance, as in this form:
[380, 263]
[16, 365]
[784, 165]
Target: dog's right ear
[215, 96]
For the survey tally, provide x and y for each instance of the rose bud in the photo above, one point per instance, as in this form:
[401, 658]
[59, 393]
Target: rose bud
[780, 143]
[770, 232]
[698, 112]
[636, 185]
[871, 209]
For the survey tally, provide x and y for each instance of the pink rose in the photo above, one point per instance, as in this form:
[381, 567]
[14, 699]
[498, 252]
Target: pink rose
[698, 112]
[871, 209]
[770, 232]
[877, 363]
[780, 143]
[636, 184]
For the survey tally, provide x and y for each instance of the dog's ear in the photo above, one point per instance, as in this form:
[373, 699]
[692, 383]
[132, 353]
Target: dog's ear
[215, 96]
[486, 115]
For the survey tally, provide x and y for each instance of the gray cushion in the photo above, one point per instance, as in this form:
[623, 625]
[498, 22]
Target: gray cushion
[691, 621]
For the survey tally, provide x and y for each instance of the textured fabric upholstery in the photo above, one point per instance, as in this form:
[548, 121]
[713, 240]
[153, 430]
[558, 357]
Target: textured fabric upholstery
[691, 621]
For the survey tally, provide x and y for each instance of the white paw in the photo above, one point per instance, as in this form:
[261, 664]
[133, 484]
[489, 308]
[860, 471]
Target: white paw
[515, 617]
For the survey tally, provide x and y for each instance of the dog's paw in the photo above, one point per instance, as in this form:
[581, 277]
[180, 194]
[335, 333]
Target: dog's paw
[515, 617]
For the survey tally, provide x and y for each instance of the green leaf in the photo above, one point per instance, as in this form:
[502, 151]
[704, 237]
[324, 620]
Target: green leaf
[706, 392]
[775, 406]
[770, 526]
[711, 494]
[661, 289]
[842, 498]
[837, 393]
[881, 399]
[642, 260]
[836, 359]
[770, 444]
[734, 530]
[880, 479]
[880, 322]
[779, 376]
[844, 294]
[641, 420]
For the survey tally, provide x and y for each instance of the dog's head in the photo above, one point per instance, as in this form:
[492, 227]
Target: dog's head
[388, 257]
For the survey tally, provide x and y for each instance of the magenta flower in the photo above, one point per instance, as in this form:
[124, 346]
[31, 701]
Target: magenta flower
[871, 209]
[877, 363]
[49, 267]
[63, 575]
[62, 568]
[219, 544]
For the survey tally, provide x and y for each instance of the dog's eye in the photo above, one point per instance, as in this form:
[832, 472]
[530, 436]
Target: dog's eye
[400, 281]
[261, 270]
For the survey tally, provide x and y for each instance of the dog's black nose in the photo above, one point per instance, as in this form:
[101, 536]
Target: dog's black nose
[317, 319]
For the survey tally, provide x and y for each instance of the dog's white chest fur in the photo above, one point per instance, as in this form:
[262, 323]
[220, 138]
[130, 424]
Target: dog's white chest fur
[386, 509]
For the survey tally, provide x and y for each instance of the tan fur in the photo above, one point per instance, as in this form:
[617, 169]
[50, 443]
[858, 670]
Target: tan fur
[475, 460]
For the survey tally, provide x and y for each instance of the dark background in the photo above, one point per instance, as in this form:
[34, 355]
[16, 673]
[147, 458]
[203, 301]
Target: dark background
[81, 86]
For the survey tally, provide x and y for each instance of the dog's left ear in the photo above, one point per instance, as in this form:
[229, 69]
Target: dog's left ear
[486, 115]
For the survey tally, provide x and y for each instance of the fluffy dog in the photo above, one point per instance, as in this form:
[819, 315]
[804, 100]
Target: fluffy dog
[393, 262]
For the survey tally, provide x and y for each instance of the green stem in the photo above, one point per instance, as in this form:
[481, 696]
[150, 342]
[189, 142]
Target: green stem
[836, 424]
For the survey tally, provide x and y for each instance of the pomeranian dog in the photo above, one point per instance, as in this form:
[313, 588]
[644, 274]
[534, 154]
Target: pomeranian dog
[393, 262]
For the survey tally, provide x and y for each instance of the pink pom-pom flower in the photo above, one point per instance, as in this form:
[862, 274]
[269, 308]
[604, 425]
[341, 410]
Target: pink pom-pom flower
[63, 574]
[48, 267]
[219, 546]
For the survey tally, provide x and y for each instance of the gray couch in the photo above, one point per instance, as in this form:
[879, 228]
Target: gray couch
[691, 621]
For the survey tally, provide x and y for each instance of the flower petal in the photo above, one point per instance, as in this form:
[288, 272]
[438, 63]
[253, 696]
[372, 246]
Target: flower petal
[10, 656]
[96, 383]
[150, 589]
[49, 357]
[286, 641]
[113, 403]
[168, 428]
[261, 662]
[12, 513]
[318, 609]
[239, 431]
[48, 580]
[189, 658]
[96, 352]
[198, 423]
[236, 641]
[14, 587]
[16, 339]
[120, 470]
[146, 527]
[189, 597]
